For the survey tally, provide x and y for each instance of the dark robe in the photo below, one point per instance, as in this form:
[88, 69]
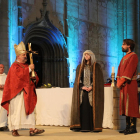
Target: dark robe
[18, 79]
[97, 99]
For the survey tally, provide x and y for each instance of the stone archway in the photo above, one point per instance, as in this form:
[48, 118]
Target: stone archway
[51, 62]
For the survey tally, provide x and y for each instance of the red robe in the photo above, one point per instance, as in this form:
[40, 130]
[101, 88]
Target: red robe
[18, 79]
[126, 78]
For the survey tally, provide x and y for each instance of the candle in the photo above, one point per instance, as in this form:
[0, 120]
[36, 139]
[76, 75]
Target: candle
[113, 69]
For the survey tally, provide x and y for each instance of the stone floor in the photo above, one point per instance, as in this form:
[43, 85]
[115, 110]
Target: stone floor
[63, 133]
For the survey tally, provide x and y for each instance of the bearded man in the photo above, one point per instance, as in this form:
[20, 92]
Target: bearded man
[127, 82]
[19, 97]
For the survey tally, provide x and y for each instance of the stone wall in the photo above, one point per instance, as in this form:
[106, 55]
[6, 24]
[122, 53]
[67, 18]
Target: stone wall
[98, 25]
[8, 31]
[13, 29]
[4, 38]
[92, 24]
[30, 11]
[128, 24]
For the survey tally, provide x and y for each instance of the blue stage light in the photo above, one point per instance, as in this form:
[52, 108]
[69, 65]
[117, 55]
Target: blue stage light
[12, 29]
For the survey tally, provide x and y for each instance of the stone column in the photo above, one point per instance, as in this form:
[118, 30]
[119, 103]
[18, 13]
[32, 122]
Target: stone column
[131, 19]
[137, 38]
[19, 21]
[13, 28]
[4, 34]
[120, 27]
[132, 24]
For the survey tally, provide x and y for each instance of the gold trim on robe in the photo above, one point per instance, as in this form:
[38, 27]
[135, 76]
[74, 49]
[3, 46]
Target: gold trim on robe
[133, 78]
[124, 58]
[121, 102]
[127, 104]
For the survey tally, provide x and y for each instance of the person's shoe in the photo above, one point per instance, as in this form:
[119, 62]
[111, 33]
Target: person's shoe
[31, 133]
[36, 131]
[130, 131]
[1, 128]
[126, 129]
[127, 125]
[15, 133]
[5, 128]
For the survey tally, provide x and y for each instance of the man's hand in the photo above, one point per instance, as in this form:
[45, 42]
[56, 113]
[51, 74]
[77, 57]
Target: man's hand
[118, 86]
[120, 82]
[31, 66]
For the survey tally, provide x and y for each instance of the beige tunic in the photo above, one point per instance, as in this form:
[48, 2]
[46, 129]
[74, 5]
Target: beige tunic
[3, 112]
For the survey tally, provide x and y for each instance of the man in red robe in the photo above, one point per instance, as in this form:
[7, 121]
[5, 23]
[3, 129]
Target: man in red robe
[126, 81]
[19, 97]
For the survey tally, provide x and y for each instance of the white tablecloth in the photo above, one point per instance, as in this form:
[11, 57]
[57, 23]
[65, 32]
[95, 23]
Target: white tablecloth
[108, 107]
[54, 106]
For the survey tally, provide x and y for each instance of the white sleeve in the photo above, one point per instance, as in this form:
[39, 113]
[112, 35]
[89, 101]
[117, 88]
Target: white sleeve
[29, 70]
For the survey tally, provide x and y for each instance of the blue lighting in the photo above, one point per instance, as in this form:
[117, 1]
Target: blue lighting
[112, 62]
[111, 57]
[10, 30]
[13, 35]
[73, 63]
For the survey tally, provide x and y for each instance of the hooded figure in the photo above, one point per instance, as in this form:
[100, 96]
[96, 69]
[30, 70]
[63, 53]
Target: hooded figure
[88, 95]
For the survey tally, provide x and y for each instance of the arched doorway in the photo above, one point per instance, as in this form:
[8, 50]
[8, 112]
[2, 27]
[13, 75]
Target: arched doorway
[51, 62]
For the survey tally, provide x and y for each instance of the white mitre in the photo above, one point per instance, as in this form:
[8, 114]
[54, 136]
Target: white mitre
[20, 48]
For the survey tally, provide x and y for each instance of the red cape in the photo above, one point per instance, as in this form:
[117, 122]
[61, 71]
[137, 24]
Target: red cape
[18, 79]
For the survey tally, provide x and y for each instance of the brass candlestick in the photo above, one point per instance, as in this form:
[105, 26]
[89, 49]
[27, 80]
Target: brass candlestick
[113, 76]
